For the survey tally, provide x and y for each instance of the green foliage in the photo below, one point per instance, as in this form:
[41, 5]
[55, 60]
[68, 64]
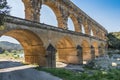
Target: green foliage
[69, 75]
[62, 73]
[114, 40]
[14, 54]
[4, 10]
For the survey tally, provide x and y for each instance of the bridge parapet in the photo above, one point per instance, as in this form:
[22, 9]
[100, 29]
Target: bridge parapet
[29, 23]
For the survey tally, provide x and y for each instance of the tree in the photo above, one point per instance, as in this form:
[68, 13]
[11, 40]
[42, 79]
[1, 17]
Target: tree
[114, 40]
[1, 50]
[4, 10]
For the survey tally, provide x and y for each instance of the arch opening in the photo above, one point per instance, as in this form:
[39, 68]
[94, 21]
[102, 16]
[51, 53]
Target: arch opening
[48, 16]
[66, 51]
[93, 29]
[73, 23]
[83, 29]
[57, 12]
[34, 51]
[91, 33]
[17, 10]
[70, 24]
[11, 49]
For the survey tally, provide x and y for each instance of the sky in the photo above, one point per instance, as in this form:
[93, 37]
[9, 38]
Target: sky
[105, 12]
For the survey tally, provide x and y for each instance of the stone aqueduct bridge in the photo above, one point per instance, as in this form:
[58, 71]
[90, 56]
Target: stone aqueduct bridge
[44, 44]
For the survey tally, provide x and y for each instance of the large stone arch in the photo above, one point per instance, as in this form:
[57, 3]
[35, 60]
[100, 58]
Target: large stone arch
[66, 51]
[75, 22]
[32, 45]
[95, 45]
[60, 10]
[48, 16]
[53, 6]
[56, 11]
[86, 50]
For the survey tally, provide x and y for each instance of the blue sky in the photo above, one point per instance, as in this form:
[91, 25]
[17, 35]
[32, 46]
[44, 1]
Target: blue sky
[105, 12]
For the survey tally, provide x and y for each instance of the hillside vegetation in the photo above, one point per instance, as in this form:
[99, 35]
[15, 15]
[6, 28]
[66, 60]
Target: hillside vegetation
[114, 40]
[9, 46]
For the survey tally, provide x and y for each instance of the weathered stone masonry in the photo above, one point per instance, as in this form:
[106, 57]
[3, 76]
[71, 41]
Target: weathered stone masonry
[45, 45]
[64, 9]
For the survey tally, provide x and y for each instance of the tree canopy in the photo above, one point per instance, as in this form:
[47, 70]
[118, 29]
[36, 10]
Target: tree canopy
[114, 40]
[4, 8]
